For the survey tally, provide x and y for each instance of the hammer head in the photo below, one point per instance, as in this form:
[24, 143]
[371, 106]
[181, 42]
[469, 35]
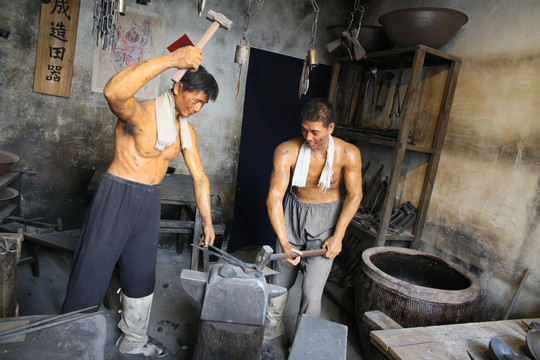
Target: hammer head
[220, 18]
[263, 257]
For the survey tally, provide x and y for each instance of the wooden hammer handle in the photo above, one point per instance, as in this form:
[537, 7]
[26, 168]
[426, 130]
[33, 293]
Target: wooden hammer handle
[292, 254]
[202, 42]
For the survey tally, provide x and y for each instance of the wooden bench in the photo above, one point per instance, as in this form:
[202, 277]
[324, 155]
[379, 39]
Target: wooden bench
[62, 240]
[372, 321]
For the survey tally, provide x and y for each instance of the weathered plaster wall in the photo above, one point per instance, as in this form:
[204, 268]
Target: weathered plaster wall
[486, 202]
[64, 140]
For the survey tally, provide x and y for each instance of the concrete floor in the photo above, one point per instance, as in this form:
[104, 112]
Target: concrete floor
[175, 315]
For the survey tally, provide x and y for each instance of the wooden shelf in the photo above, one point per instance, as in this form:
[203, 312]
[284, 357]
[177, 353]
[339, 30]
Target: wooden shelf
[355, 135]
[394, 58]
[423, 114]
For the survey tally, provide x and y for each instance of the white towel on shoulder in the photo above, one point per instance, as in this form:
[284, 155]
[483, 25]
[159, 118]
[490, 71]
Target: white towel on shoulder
[166, 127]
[302, 166]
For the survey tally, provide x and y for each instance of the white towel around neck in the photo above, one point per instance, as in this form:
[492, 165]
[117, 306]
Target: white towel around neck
[302, 166]
[166, 127]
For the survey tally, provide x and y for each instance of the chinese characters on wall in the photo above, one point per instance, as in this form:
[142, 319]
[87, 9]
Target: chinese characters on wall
[56, 47]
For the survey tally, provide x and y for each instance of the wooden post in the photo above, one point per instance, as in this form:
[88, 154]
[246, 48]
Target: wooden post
[10, 252]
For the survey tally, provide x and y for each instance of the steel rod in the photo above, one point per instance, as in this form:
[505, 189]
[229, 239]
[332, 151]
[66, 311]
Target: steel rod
[50, 319]
[292, 254]
[46, 326]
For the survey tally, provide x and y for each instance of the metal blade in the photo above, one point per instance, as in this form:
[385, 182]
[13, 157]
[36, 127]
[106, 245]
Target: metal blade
[202, 3]
[267, 271]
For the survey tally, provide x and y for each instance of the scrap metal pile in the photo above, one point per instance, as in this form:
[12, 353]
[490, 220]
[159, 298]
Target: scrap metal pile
[370, 212]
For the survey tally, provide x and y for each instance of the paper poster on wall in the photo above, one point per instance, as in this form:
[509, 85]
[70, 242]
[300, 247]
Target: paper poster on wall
[140, 36]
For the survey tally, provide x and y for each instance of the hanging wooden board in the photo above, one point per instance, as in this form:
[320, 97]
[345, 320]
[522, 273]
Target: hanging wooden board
[56, 47]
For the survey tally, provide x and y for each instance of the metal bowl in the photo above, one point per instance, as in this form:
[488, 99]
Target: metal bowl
[7, 160]
[533, 343]
[433, 27]
[6, 195]
[373, 38]
[499, 350]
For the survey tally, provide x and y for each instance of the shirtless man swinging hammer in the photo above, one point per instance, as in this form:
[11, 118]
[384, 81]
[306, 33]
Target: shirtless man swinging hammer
[122, 223]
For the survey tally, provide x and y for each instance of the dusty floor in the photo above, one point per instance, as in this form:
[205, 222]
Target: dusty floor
[175, 315]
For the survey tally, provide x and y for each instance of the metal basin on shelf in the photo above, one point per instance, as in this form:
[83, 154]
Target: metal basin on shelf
[429, 26]
[6, 195]
[7, 160]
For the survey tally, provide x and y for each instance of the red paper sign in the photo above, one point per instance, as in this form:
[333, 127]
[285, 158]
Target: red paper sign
[183, 41]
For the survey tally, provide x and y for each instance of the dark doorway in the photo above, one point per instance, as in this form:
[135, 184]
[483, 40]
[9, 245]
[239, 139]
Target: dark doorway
[271, 111]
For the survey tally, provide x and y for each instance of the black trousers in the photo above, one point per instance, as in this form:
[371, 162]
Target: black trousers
[121, 226]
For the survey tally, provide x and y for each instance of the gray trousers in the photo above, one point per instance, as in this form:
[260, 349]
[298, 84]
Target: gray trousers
[308, 227]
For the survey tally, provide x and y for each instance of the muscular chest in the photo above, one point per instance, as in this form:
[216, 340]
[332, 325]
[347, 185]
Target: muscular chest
[316, 166]
[141, 142]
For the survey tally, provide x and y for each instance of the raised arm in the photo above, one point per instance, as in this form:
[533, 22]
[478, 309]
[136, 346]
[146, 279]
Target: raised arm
[284, 159]
[352, 177]
[201, 187]
[122, 87]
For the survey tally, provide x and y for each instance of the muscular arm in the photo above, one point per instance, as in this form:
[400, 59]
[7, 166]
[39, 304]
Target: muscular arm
[352, 177]
[279, 181]
[122, 87]
[201, 187]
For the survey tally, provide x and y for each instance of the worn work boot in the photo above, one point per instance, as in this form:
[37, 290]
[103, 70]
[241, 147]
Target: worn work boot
[273, 326]
[134, 327]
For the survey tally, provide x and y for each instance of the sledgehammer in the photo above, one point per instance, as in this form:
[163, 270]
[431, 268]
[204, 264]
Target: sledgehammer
[218, 20]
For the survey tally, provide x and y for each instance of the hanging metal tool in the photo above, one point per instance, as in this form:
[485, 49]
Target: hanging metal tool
[241, 56]
[105, 28]
[384, 88]
[349, 38]
[357, 49]
[201, 4]
[368, 101]
[311, 60]
[395, 115]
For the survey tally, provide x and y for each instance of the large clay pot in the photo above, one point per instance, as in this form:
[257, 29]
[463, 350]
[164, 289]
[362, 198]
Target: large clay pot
[415, 288]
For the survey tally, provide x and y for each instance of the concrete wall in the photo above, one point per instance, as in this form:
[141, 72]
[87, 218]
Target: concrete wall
[63, 140]
[485, 206]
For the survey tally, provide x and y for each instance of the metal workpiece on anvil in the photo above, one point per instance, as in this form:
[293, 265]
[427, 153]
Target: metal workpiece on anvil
[229, 294]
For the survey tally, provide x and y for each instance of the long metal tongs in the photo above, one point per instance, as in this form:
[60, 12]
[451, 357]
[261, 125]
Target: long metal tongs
[247, 267]
[47, 323]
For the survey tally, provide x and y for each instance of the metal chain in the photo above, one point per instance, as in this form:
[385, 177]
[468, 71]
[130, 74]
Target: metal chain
[244, 45]
[314, 26]
[357, 8]
[106, 13]
[246, 26]
[361, 9]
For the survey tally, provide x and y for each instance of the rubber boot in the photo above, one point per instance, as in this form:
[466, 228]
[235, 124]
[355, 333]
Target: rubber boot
[273, 326]
[134, 327]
